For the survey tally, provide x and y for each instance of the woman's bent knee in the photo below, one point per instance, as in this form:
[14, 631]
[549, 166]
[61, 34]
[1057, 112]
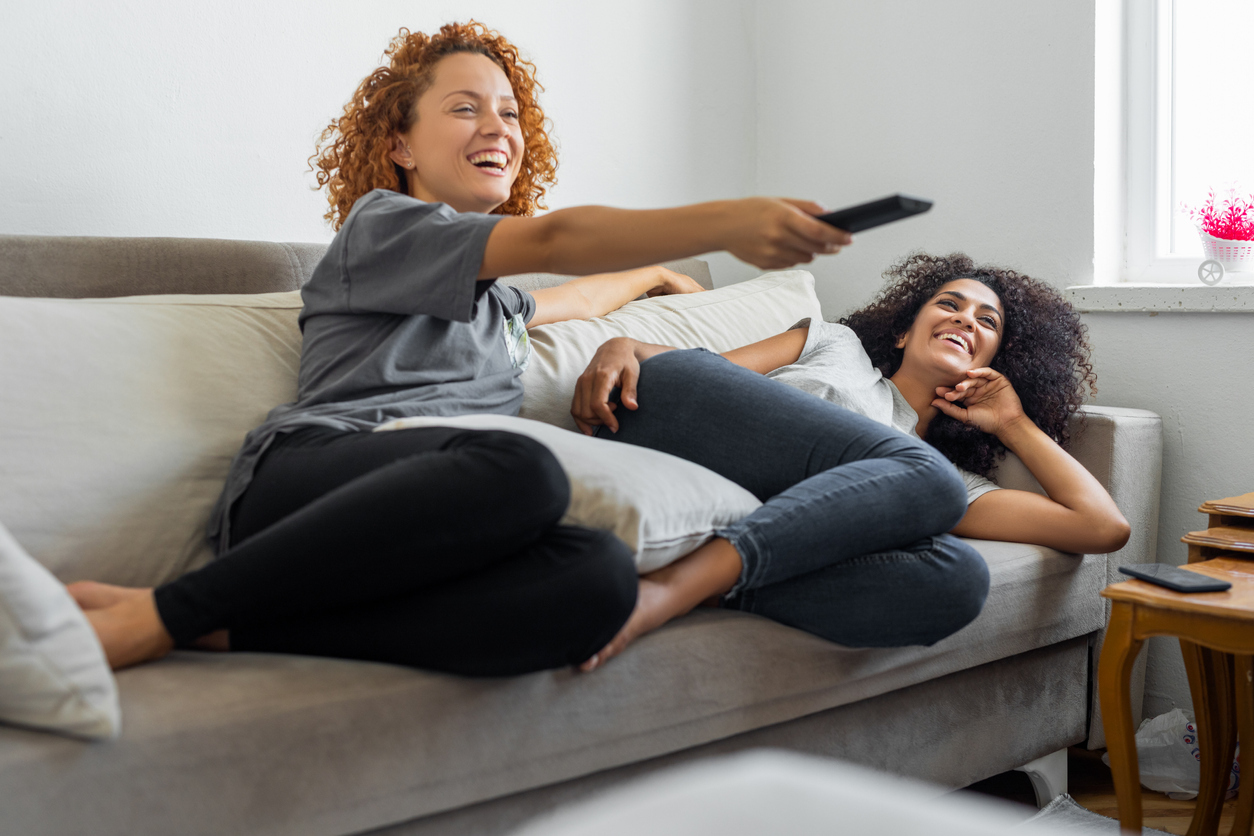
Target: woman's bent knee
[962, 588]
[527, 472]
[916, 596]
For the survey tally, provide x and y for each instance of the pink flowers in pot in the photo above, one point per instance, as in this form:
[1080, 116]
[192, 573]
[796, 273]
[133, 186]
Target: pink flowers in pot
[1232, 221]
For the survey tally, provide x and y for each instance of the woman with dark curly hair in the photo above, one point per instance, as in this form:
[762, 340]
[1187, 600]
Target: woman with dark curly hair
[848, 545]
[435, 547]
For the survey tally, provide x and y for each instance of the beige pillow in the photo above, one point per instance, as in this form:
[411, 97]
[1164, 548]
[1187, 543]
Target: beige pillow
[121, 417]
[661, 506]
[719, 320]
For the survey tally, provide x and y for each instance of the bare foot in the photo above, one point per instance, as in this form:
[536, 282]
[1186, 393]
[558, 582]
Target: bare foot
[672, 591]
[93, 595]
[656, 604]
[130, 631]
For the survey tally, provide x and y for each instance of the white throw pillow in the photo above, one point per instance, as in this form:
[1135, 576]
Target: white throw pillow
[660, 505]
[719, 320]
[53, 673]
[121, 417]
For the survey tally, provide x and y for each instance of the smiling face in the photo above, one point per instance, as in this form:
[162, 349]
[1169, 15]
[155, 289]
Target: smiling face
[959, 328]
[465, 147]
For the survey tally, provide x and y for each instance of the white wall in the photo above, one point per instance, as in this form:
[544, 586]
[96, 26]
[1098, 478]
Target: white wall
[983, 106]
[196, 120]
[152, 118]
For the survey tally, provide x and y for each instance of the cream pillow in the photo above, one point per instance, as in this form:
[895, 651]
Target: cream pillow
[121, 417]
[661, 506]
[53, 673]
[719, 320]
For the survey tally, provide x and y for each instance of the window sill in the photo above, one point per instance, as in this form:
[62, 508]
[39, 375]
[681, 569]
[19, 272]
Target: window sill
[1226, 297]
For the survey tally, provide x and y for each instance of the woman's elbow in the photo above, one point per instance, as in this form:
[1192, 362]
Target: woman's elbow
[1110, 534]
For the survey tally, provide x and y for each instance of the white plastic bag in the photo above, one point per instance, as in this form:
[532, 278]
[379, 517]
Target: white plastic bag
[1166, 750]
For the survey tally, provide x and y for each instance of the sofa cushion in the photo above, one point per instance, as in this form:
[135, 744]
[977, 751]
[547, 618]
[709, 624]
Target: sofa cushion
[121, 417]
[720, 320]
[53, 673]
[660, 505]
[221, 743]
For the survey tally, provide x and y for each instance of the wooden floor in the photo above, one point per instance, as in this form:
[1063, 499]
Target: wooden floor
[1089, 783]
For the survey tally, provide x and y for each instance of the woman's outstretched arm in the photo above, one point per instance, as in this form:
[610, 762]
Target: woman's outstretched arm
[766, 232]
[1077, 516]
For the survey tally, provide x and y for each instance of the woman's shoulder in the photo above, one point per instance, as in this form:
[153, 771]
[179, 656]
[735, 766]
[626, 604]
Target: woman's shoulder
[378, 203]
[835, 339]
[832, 353]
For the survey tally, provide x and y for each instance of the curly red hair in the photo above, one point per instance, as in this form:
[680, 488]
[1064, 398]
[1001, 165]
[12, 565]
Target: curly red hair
[352, 156]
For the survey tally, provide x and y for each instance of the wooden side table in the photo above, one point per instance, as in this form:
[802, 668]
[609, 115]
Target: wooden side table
[1233, 511]
[1216, 632]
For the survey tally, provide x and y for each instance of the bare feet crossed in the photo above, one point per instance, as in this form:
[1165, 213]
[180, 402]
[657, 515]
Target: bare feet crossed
[126, 623]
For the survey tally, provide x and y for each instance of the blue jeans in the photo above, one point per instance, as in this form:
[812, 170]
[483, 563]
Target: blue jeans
[850, 542]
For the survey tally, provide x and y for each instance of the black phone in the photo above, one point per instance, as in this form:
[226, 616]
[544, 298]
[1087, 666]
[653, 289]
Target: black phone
[877, 212]
[1180, 580]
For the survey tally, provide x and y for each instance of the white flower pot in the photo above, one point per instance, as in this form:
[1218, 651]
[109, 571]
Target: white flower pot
[1235, 256]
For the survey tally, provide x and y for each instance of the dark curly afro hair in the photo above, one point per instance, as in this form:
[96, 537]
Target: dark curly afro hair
[1044, 350]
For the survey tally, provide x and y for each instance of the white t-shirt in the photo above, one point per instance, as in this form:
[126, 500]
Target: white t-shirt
[835, 366]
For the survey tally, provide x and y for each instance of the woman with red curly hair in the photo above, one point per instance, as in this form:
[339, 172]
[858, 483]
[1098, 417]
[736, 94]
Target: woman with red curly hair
[435, 547]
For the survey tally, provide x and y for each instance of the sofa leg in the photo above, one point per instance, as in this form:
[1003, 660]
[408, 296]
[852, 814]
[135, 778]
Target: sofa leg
[1048, 775]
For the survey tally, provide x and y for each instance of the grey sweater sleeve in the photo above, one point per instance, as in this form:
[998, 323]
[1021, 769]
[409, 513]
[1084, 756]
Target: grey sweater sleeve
[399, 255]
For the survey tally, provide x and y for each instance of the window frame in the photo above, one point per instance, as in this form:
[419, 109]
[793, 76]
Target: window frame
[1149, 55]
[1133, 270]
[1149, 103]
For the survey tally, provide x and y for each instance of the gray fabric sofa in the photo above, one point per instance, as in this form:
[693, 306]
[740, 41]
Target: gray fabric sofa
[251, 743]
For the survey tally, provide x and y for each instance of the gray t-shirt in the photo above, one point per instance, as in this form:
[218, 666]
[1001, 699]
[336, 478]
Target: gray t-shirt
[396, 325]
[835, 366]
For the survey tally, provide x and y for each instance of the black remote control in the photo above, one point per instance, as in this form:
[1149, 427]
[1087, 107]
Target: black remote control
[1180, 580]
[877, 212]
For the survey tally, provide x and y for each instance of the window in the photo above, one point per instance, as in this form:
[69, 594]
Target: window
[1189, 121]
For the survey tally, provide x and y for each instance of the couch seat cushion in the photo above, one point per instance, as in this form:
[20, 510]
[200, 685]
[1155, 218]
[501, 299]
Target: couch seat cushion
[222, 743]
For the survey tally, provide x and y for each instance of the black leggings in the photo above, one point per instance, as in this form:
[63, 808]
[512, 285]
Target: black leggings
[437, 548]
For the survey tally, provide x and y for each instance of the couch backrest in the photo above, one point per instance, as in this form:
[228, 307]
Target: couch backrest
[75, 267]
[81, 267]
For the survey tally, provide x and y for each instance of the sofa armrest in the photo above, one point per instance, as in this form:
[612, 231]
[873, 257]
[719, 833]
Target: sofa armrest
[1123, 448]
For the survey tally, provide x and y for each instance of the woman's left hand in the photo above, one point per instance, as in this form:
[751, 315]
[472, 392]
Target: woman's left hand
[986, 401]
[669, 282]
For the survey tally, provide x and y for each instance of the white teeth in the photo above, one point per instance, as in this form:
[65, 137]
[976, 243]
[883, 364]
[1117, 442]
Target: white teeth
[958, 340]
[495, 158]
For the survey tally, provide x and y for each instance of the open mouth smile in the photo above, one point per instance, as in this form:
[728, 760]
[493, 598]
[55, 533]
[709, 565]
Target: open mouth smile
[959, 339]
[490, 162]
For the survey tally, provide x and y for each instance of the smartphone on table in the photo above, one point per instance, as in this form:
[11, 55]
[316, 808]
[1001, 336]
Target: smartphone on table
[1180, 580]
